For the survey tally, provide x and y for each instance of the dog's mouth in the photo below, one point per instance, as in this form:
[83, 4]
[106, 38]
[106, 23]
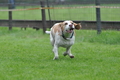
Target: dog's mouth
[70, 30]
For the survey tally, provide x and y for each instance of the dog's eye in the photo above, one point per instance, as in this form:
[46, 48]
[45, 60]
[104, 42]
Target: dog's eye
[72, 23]
[66, 23]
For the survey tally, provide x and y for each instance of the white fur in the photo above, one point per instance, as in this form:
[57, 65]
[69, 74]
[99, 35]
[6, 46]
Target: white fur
[57, 39]
[47, 32]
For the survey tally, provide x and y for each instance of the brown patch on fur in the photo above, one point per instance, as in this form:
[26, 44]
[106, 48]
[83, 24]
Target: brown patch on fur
[77, 26]
[69, 21]
[62, 26]
[57, 28]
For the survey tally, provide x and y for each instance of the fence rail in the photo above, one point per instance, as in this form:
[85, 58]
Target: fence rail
[38, 24]
[117, 7]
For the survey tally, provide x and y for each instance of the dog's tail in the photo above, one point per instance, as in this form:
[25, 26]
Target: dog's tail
[47, 32]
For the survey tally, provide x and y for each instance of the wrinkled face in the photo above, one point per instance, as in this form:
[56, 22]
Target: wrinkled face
[68, 26]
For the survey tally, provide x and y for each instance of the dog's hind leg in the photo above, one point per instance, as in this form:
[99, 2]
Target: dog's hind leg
[55, 50]
[68, 52]
[52, 40]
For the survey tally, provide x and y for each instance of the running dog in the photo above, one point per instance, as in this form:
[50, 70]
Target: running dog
[63, 35]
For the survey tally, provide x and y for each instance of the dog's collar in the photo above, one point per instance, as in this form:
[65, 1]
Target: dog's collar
[65, 37]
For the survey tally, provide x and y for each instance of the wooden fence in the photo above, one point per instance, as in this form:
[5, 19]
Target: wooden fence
[43, 24]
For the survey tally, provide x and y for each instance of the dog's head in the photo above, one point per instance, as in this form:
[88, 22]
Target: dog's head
[69, 26]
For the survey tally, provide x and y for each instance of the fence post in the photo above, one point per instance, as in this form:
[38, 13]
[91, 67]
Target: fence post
[98, 17]
[49, 14]
[10, 16]
[43, 16]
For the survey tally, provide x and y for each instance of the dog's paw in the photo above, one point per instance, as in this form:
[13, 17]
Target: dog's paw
[65, 53]
[72, 56]
[55, 58]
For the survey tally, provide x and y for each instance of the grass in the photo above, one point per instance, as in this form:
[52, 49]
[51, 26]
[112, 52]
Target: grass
[107, 14]
[27, 55]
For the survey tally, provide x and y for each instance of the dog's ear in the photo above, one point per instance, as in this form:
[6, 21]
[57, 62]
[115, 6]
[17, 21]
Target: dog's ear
[61, 25]
[77, 26]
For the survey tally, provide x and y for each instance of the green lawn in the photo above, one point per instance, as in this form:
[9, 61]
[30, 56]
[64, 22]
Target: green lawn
[107, 14]
[27, 55]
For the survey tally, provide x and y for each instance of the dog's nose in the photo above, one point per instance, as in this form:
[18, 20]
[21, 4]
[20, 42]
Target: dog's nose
[70, 25]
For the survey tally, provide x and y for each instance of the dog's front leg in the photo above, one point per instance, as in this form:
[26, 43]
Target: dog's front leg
[55, 50]
[68, 52]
